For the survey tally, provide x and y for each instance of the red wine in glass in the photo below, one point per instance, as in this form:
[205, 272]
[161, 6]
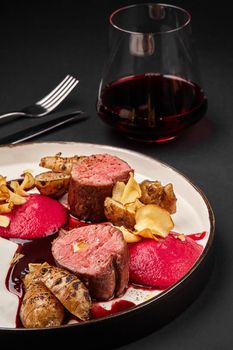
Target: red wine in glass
[152, 107]
[151, 88]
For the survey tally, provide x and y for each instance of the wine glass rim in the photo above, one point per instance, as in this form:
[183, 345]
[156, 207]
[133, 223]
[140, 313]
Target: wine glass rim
[186, 22]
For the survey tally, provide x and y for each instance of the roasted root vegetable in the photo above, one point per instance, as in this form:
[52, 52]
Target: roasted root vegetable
[60, 164]
[118, 214]
[69, 290]
[152, 192]
[66, 287]
[40, 308]
[120, 209]
[130, 209]
[52, 184]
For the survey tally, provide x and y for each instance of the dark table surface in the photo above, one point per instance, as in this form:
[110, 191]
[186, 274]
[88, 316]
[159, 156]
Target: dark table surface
[41, 42]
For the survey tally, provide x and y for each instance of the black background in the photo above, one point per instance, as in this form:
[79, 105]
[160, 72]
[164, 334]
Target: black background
[40, 42]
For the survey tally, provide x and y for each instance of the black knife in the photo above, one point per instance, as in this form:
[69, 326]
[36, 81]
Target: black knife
[38, 130]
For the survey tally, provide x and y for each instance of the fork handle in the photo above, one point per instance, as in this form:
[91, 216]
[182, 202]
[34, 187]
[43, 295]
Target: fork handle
[2, 116]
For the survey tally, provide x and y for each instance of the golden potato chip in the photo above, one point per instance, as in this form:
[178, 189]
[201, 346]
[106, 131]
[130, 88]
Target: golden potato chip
[28, 181]
[14, 197]
[128, 235]
[133, 217]
[6, 207]
[134, 206]
[155, 218]
[118, 190]
[15, 186]
[2, 180]
[4, 196]
[132, 191]
[4, 221]
[146, 233]
[3, 188]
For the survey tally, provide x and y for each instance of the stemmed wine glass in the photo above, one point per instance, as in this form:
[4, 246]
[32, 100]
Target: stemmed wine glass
[151, 89]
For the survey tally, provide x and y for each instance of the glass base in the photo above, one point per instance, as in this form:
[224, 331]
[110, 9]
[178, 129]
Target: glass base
[145, 140]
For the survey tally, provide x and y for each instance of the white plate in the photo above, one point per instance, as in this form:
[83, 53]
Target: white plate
[193, 210]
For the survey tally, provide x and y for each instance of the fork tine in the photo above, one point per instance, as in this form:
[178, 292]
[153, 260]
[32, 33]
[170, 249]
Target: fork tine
[61, 97]
[62, 93]
[57, 88]
[58, 92]
[57, 95]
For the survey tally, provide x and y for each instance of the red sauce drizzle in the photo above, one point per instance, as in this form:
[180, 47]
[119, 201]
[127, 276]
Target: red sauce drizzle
[74, 222]
[98, 311]
[34, 251]
[197, 236]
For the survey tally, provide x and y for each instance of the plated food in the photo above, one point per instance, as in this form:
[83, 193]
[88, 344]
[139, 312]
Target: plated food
[113, 223]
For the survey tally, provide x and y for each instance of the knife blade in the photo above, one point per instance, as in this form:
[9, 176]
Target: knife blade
[38, 130]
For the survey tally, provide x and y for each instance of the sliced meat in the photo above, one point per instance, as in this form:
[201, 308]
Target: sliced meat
[98, 254]
[92, 180]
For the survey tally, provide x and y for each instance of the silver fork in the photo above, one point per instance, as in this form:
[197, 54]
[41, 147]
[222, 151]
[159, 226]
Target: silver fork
[49, 102]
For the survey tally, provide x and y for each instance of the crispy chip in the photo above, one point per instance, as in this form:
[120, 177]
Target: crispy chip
[146, 233]
[4, 196]
[6, 207]
[28, 181]
[133, 207]
[128, 235]
[16, 198]
[16, 258]
[132, 191]
[2, 180]
[15, 186]
[3, 189]
[118, 190]
[134, 218]
[15, 195]
[4, 221]
[155, 218]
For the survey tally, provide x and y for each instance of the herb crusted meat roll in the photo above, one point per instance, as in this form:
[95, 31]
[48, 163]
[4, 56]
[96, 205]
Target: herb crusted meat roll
[92, 180]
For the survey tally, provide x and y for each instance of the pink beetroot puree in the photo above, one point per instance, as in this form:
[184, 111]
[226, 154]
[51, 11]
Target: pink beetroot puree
[162, 263]
[40, 216]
